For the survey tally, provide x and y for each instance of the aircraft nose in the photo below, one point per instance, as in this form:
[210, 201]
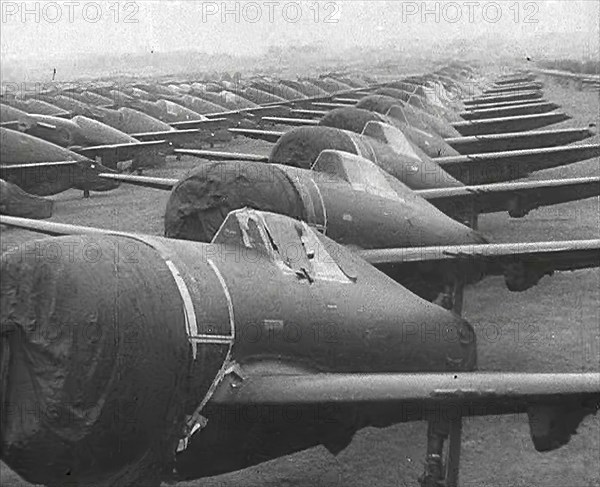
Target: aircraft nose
[440, 229]
[92, 375]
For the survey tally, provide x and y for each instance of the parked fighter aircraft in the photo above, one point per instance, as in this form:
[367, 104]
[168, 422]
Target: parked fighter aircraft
[355, 119]
[191, 133]
[389, 149]
[89, 138]
[42, 168]
[356, 204]
[176, 404]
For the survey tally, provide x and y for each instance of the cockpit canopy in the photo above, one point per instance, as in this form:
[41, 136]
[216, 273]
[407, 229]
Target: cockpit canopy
[291, 244]
[391, 136]
[360, 173]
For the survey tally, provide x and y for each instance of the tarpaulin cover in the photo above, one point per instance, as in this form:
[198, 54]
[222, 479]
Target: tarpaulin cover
[378, 103]
[307, 88]
[94, 361]
[301, 146]
[352, 119]
[200, 202]
[260, 96]
[16, 202]
[201, 106]
[99, 133]
[19, 148]
[135, 122]
[331, 85]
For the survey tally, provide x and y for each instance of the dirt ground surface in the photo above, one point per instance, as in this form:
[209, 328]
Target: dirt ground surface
[554, 327]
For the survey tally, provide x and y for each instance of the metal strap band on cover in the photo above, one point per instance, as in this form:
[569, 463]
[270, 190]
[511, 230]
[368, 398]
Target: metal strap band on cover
[195, 422]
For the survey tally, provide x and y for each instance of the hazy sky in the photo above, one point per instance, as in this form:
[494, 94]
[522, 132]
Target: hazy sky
[56, 29]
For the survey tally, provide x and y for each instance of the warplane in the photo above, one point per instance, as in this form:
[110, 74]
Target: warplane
[356, 204]
[122, 116]
[87, 137]
[42, 168]
[424, 137]
[389, 149]
[35, 106]
[173, 378]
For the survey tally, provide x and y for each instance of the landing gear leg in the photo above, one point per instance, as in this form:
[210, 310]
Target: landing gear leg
[438, 473]
[86, 193]
[474, 220]
[452, 296]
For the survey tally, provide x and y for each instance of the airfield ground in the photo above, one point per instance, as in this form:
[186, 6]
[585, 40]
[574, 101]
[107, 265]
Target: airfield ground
[554, 327]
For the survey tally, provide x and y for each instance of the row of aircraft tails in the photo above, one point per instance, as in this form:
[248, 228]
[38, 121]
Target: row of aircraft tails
[356, 230]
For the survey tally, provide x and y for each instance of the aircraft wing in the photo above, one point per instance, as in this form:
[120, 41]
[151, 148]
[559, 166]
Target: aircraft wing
[267, 135]
[125, 151]
[206, 125]
[260, 111]
[185, 137]
[13, 125]
[222, 156]
[381, 399]
[518, 198]
[279, 109]
[36, 165]
[507, 165]
[522, 264]
[144, 181]
[54, 229]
